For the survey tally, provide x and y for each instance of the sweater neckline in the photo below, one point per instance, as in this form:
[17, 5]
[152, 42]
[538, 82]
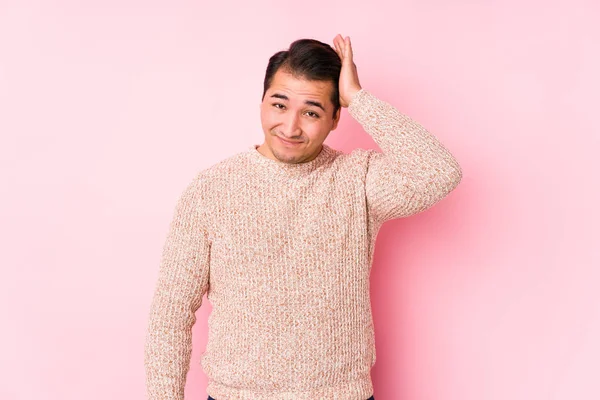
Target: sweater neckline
[298, 168]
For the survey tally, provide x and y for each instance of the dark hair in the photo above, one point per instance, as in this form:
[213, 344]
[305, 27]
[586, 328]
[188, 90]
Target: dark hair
[308, 59]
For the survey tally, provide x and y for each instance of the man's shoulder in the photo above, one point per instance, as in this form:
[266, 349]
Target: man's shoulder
[223, 169]
[357, 156]
[354, 164]
[227, 164]
[359, 152]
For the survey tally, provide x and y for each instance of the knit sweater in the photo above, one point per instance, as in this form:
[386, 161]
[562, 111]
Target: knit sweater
[283, 253]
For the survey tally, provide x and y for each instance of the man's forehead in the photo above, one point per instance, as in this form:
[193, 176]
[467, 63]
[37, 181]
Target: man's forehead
[288, 87]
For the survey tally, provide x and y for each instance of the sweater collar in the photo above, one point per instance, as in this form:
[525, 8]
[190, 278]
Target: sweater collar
[322, 158]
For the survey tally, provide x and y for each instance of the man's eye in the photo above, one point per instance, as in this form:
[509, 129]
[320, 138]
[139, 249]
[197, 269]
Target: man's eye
[276, 105]
[312, 114]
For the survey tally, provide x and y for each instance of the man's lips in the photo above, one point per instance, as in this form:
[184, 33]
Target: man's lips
[288, 141]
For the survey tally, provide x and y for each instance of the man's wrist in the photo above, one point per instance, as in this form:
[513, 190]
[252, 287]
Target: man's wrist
[355, 96]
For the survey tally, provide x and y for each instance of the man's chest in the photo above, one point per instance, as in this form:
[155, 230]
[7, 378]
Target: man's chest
[251, 220]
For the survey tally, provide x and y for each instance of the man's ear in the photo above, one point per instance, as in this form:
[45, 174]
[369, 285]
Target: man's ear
[336, 119]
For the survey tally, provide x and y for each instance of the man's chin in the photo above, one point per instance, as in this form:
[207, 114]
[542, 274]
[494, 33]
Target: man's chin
[288, 159]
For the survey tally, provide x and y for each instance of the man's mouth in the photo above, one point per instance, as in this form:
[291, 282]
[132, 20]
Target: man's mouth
[288, 142]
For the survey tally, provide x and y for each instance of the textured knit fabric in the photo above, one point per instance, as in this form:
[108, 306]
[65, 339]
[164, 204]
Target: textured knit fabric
[283, 252]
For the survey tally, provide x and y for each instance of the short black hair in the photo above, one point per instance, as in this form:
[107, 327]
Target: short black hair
[309, 59]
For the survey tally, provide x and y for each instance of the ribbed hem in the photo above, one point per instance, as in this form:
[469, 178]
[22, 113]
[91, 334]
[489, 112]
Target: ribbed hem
[355, 390]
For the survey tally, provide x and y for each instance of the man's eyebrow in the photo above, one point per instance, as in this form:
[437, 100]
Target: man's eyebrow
[309, 102]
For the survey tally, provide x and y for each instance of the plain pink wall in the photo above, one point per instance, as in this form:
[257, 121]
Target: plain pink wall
[109, 108]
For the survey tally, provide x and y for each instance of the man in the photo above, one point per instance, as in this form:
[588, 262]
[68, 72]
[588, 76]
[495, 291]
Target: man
[281, 237]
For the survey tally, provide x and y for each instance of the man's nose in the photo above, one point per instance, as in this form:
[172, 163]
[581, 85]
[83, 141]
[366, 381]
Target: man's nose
[291, 125]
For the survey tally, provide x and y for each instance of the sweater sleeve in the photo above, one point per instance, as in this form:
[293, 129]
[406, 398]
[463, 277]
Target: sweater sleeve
[414, 171]
[182, 282]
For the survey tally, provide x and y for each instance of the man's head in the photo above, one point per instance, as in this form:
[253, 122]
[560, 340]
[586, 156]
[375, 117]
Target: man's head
[300, 101]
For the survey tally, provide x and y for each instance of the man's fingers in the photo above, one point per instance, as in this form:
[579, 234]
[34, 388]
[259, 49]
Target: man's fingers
[339, 44]
[349, 50]
[335, 46]
[338, 49]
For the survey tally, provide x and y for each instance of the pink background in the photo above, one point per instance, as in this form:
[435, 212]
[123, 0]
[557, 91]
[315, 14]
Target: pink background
[109, 108]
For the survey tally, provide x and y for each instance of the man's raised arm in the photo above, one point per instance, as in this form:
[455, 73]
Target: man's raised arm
[414, 171]
[182, 281]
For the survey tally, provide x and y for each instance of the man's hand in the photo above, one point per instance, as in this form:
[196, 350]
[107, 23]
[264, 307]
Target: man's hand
[349, 84]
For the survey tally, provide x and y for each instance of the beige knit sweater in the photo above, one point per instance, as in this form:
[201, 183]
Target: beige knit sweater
[284, 252]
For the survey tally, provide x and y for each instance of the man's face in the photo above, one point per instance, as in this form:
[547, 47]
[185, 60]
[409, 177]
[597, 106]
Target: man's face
[299, 111]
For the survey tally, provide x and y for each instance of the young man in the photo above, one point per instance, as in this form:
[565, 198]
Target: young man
[281, 237]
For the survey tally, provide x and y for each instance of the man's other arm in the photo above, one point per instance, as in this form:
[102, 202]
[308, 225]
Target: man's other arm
[182, 281]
